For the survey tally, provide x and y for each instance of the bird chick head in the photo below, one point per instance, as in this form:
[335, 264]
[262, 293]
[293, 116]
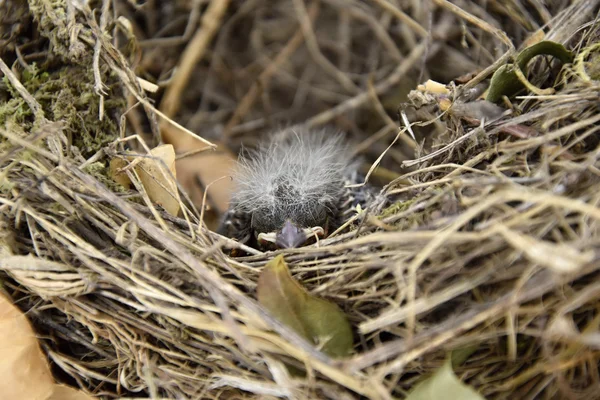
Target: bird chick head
[291, 186]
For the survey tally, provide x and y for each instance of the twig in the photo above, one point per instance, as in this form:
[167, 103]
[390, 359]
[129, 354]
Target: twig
[99, 85]
[313, 48]
[413, 57]
[192, 54]
[448, 147]
[414, 25]
[250, 97]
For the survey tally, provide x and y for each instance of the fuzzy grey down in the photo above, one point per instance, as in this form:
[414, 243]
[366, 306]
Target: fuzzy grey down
[298, 175]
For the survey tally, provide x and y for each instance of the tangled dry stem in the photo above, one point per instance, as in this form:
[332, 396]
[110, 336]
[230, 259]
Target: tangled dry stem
[491, 243]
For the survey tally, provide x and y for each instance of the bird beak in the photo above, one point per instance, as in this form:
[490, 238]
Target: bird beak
[290, 236]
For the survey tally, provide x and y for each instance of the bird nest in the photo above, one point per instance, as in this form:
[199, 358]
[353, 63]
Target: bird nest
[490, 240]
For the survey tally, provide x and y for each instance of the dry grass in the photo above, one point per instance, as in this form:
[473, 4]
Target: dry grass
[491, 243]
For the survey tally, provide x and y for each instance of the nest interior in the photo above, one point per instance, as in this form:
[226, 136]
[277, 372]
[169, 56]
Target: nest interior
[490, 243]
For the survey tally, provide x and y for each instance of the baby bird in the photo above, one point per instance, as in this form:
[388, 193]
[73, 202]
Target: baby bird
[292, 188]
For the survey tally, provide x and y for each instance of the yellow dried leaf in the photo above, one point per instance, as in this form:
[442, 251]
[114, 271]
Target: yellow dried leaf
[116, 165]
[24, 370]
[206, 171]
[158, 176]
[62, 392]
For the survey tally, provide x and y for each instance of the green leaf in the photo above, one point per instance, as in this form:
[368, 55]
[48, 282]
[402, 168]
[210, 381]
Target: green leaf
[319, 321]
[282, 295]
[505, 81]
[443, 385]
[328, 327]
[460, 355]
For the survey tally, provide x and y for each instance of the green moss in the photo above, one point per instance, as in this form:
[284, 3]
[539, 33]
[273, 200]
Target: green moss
[5, 185]
[52, 22]
[100, 171]
[67, 94]
[396, 208]
[15, 110]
